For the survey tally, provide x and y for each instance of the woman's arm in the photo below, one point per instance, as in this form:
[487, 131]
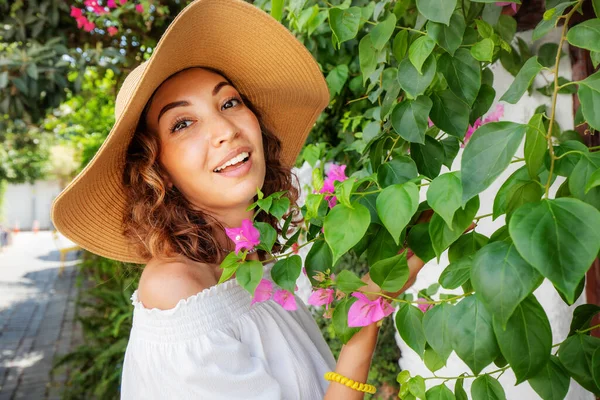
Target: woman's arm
[354, 360]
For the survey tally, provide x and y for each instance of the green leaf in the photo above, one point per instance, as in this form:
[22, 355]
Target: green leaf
[277, 9]
[527, 340]
[440, 392]
[400, 45]
[517, 190]
[428, 157]
[336, 79]
[487, 388]
[367, 56]
[340, 320]
[229, 265]
[472, 334]
[522, 81]
[396, 205]
[413, 82]
[565, 165]
[552, 382]
[459, 391]
[437, 10]
[456, 273]
[435, 325]
[502, 279]
[450, 113]
[589, 95]
[400, 170]
[546, 25]
[559, 238]
[382, 32]
[535, 144]
[344, 227]
[409, 324]
[445, 195]
[596, 4]
[409, 119]
[416, 385]
[268, 235]
[286, 271]
[442, 235]
[390, 274]
[279, 207]
[593, 181]
[466, 245]
[483, 50]
[463, 74]
[381, 247]
[344, 23]
[576, 354]
[547, 54]
[596, 368]
[588, 164]
[318, 259]
[451, 147]
[449, 37]
[487, 154]
[248, 274]
[582, 317]
[419, 51]
[432, 360]
[348, 282]
[420, 243]
[586, 35]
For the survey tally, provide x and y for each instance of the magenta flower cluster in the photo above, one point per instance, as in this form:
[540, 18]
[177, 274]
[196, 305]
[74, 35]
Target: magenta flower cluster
[336, 173]
[494, 116]
[98, 9]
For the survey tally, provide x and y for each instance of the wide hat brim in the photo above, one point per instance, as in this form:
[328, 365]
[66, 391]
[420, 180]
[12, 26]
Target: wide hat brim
[263, 60]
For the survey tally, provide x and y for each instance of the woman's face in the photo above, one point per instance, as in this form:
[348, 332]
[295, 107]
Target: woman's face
[211, 143]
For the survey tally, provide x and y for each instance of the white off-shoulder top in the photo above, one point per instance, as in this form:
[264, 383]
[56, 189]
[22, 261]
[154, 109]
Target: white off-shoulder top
[215, 345]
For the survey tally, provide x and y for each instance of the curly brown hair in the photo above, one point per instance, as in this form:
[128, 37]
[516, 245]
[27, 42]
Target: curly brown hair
[160, 221]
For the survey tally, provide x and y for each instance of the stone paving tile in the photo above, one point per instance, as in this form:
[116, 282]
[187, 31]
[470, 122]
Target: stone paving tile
[37, 309]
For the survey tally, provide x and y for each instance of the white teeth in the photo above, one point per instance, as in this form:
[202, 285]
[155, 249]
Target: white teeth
[239, 158]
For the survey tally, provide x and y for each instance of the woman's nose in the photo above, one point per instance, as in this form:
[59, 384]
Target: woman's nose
[223, 130]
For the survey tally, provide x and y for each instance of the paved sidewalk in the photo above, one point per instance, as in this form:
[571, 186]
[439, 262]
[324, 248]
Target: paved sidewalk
[36, 316]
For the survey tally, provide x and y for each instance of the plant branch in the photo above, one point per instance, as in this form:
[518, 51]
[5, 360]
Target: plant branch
[555, 93]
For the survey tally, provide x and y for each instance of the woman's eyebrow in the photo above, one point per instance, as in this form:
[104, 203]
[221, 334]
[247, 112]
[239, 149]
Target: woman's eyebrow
[184, 103]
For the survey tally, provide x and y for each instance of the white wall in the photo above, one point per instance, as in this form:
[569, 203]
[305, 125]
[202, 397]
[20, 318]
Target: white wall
[24, 203]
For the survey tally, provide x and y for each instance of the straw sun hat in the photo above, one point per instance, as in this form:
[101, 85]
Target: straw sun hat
[263, 60]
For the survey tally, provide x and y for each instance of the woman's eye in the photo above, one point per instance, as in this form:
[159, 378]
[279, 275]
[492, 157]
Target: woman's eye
[181, 124]
[230, 100]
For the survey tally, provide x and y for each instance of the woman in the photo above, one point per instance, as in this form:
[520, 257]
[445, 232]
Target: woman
[199, 127]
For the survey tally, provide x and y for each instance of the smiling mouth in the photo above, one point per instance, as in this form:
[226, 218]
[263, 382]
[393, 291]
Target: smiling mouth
[234, 163]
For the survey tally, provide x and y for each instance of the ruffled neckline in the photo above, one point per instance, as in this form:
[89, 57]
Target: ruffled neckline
[205, 293]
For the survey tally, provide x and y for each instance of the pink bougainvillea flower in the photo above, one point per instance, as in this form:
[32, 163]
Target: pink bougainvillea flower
[321, 297]
[507, 3]
[81, 21]
[89, 26]
[123, 2]
[423, 306]
[494, 116]
[139, 8]
[76, 12]
[304, 271]
[245, 237]
[336, 173]
[365, 312]
[111, 4]
[263, 291]
[295, 248]
[112, 30]
[286, 299]
[430, 122]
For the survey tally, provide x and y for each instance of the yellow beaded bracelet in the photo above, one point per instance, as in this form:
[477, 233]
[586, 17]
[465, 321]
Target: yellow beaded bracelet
[362, 387]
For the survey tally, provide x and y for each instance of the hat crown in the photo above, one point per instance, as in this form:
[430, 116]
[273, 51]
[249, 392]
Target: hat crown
[127, 88]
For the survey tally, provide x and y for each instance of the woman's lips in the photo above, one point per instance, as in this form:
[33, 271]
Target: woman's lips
[238, 170]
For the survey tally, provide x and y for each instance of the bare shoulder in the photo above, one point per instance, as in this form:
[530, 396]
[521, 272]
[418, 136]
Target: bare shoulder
[164, 283]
